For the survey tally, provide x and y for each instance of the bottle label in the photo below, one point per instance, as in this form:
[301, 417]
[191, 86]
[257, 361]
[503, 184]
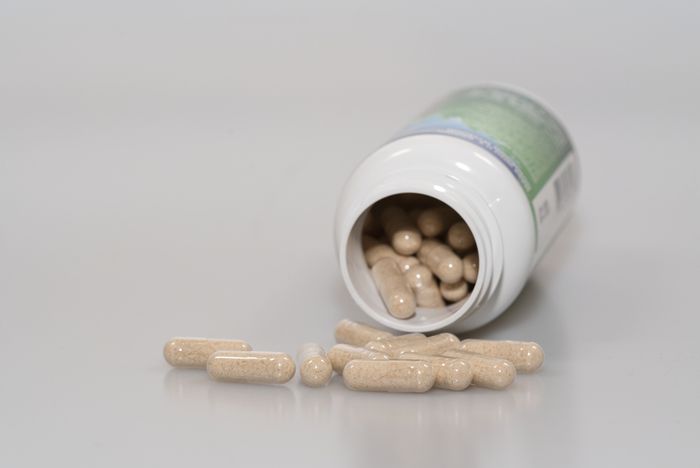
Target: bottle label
[520, 133]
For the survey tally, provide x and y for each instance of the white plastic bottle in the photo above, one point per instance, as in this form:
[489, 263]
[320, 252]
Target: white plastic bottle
[498, 158]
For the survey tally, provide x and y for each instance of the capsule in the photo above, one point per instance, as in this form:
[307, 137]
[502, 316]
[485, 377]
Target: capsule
[251, 367]
[426, 290]
[470, 265]
[450, 373]
[393, 288]
[389, 345]
[432, 345]
[453, 292]
[194, 352]
[341, 354]
[403, 234]
[441, 260]
[434, 221]
[460, 237]
[358, 334]
[375, 251]
[526, 356]
[389, 376]
[489, 372]
[315, 368]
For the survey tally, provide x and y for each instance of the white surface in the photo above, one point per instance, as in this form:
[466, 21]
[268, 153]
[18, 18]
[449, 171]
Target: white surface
[172, 169]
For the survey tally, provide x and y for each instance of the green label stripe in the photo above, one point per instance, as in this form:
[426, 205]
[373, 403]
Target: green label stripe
[519, 131]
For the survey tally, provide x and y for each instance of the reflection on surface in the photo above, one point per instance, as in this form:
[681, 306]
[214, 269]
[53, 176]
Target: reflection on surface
[316, 404]
[528, 392]
[259, 403]
[248, 401]
[461, 426]
[441, 427]
[186, 384]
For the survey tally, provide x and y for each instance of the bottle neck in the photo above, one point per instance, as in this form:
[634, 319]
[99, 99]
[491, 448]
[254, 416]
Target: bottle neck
[371, 183]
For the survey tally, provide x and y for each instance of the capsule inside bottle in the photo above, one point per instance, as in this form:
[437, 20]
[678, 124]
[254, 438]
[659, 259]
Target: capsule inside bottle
[427, 306]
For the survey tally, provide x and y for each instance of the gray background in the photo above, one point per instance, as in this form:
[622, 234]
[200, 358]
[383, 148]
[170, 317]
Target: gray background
[172, 168]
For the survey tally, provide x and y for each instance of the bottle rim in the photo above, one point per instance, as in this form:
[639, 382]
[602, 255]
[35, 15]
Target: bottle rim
[470, 206]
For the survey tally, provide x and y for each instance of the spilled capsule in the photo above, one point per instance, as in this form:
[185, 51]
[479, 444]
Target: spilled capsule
[341, 354]
[251, 367]
[432, 345]
[358, 333]
[194, 352]
[489, 372]
[526, 356]
[450, 373]
[315, 368]
[389, 376]
[390, 345]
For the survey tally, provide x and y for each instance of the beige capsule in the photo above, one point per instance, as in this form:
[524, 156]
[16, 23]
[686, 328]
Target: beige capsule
[450, 373]
[470, 265]
[194, 352]
[375, 251]
[389, 376]
[394, 289]
[405, 263]
[403, 234]
[453, 292]
[341, 354]
[432, 345]
[251, 367]
[421, 281]
[489, 372]
[460, 237]
[434, 221]
[389, 345]
[315, 367]
[526, 356]
[441, 260]
[357, 333]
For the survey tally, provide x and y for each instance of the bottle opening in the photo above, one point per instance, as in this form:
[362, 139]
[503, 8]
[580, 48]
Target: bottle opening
[413, 262]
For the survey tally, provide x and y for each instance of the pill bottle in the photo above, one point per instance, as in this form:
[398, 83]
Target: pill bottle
[503, 162]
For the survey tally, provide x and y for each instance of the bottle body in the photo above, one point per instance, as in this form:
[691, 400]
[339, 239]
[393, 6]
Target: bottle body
[502, 162]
